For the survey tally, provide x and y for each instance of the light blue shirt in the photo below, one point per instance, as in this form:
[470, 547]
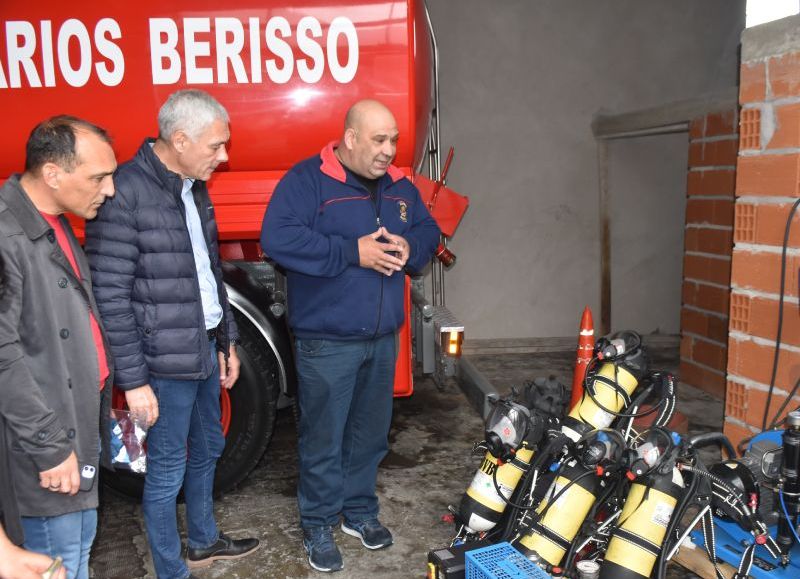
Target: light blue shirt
[212, 311]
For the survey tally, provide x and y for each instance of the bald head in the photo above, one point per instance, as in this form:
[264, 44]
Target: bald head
[369, 143]
[365, 111]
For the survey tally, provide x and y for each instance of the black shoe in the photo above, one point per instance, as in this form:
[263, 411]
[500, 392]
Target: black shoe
[373, 535]
[323, 554]
[224, 548]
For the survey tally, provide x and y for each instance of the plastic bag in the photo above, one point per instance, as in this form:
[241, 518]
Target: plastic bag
[128, 433]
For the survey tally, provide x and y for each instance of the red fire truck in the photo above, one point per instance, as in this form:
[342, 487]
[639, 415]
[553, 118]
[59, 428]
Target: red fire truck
[287, 71]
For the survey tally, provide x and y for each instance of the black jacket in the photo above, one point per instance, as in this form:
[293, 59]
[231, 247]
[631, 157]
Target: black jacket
[145, 277]
[50, 399]
[9, 510]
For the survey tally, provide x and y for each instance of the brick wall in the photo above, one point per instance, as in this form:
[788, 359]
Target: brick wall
[768, 175]
[708, 242]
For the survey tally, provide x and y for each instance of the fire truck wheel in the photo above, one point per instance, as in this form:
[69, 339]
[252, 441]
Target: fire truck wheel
[254, 400]
[253, 407]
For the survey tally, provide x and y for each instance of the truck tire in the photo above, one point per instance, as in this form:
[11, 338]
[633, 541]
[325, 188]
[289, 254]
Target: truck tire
[253, 409]
[249, 410]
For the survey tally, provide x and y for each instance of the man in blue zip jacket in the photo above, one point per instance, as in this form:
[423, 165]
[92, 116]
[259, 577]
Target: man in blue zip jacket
[345, 224]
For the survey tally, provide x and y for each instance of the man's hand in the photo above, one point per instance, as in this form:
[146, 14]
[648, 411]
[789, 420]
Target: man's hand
[402, 247]
[372, 254]
[228, 369]
[63, 478]
[143, 404]
[17, 563]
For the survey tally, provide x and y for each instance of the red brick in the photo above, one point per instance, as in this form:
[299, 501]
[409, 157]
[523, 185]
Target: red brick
[709, 269]
[754, 361]
[740, 318]
[711, 182]
[750, 130]
[766, 224]
[709, 211]
[702, 378]
[762, 272]
[713, 153]
[736, 433]
[735, 400]
[686, 347]
[787, 127]
[719, 241]
[744, 222]
[763, 320]
[703, 324]
[784, 75]
[693, 322]
[752, 82]
[706, 297]
[773, 175]
[757, 401]
[721, 124]
[697, 127]
[710, 354]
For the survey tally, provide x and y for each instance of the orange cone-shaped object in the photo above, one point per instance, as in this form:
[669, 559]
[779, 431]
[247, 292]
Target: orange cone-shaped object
[584, 355]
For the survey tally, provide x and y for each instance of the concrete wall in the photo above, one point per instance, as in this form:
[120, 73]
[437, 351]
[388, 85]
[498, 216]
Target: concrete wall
[520, 83]
[647, 190]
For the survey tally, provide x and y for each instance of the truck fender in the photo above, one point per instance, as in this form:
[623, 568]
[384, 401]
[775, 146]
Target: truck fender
[253, 300]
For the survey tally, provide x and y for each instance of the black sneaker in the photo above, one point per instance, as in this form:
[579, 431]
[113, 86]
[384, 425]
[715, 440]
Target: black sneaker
[323, 554]
[373, 535]
[224, 548]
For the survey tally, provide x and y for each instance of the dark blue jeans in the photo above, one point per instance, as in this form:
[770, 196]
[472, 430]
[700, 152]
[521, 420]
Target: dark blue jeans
[188, 424]
[345, 395]
[69, 535]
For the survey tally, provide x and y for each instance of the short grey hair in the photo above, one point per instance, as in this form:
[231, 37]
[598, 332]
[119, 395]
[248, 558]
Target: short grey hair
[191, 111]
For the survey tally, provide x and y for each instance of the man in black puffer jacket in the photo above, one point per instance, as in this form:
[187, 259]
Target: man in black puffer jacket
[155, 263]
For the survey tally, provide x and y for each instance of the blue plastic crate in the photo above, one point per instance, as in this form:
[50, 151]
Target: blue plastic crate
[501, 561]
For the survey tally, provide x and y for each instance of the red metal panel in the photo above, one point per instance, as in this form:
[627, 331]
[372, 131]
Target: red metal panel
[403, 372]
[105, 48]
[420, 78]
[448, 207]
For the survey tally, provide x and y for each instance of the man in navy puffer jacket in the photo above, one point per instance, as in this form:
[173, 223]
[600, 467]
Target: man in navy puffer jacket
[345, 224]
[155, 263]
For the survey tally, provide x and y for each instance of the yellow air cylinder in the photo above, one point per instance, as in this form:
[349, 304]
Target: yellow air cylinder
[587, 411]
[551, 536]
[481, 507]
[636, 543]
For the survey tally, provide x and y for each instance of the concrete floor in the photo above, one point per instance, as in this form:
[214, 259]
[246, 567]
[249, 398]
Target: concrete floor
[429, 467]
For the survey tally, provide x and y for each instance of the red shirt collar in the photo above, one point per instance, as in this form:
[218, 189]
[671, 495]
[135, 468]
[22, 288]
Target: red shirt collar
[333, 168]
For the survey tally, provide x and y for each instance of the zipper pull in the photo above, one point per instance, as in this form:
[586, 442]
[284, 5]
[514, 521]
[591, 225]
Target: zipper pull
[378, 220]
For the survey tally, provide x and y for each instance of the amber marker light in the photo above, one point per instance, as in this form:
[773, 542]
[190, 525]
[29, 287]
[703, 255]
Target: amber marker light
[451, 343]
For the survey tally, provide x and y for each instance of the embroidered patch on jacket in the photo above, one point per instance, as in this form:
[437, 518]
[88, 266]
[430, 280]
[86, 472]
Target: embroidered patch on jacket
[403, 211]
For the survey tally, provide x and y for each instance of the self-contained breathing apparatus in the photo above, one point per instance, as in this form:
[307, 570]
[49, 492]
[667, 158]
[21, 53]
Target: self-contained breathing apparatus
[513, 429]
[552, 486]
[594, 493]
[656, 487]
[594, 490]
